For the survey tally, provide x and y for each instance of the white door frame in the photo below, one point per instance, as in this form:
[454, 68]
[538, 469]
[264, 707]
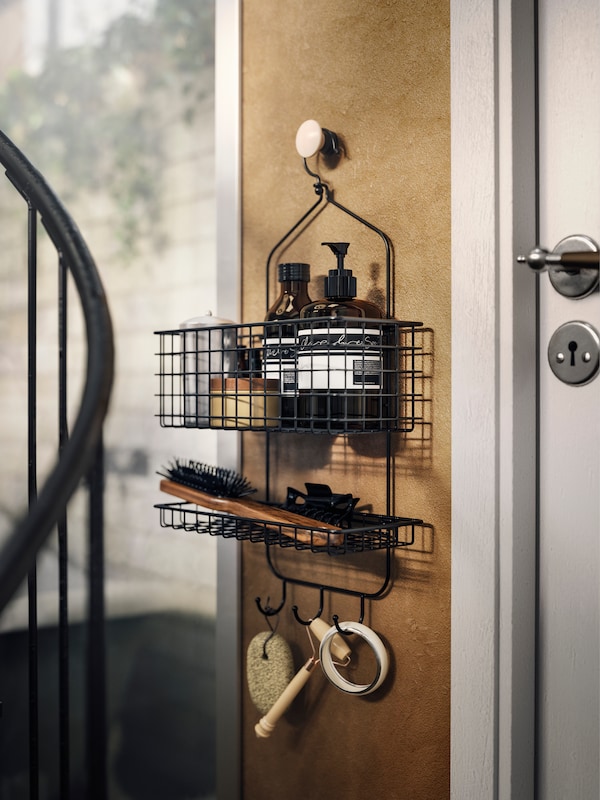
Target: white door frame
[494, 369]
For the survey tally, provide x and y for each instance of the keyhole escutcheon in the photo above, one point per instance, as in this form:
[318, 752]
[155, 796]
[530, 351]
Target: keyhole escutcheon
[582, 341]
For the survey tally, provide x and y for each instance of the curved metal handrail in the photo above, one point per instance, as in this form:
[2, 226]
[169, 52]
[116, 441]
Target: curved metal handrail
[19, 551]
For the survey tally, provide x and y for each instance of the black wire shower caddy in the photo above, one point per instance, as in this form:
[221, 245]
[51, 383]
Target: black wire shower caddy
[211, 378]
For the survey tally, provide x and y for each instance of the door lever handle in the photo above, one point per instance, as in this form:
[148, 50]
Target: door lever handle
[541, 260]
[573, 265]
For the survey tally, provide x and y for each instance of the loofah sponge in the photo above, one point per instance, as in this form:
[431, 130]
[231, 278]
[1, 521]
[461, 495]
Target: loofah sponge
[268, 677]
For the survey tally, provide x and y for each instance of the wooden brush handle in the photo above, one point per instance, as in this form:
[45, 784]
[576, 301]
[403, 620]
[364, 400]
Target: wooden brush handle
[320, 534]
[264, 727]
[339, 646]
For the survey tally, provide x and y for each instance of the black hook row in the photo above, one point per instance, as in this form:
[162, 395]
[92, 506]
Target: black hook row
[270, 611]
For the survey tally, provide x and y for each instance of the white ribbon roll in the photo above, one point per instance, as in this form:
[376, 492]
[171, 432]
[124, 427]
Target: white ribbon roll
[374, 642]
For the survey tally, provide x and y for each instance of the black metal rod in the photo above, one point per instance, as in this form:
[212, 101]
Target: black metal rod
[34, 759]
[96, 645]
[284, 238]
[63, 550]
[77, 453]
[411, 371]
[32, 493]
[386, 243]
[20, 548]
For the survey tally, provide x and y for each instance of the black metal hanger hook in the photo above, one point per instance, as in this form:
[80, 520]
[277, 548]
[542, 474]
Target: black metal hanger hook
[315, 616]
[320, 186]
[268, 610]
[336, 619]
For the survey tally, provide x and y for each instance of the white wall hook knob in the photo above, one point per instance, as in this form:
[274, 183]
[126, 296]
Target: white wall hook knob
[311, 138]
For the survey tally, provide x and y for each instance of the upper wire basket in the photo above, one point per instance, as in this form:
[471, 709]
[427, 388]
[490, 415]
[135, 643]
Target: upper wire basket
[224, 376]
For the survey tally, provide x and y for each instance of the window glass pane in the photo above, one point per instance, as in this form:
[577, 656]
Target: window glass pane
[113, 102]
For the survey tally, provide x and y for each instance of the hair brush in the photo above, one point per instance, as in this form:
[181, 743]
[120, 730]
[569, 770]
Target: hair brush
[225, 490]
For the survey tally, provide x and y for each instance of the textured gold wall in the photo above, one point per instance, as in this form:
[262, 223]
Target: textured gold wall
[378, 74]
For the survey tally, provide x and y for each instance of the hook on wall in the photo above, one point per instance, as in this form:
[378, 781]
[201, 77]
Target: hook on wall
[315, 616]
[336, 619]
[311, 139]
[320, 187]
[268, 610]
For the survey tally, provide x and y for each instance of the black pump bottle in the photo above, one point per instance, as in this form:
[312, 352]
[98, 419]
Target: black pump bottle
[340, 292]
[340, 356]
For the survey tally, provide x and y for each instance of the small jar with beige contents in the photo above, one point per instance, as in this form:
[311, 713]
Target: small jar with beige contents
[244, 403]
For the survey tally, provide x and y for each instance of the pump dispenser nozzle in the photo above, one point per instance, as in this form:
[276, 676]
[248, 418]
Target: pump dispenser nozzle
[340, 249]
[340, 282]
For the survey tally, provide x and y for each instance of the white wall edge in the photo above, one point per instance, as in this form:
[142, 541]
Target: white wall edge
[474, 402]
[228, 222]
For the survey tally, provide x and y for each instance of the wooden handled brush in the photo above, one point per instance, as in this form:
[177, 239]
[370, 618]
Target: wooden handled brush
[266, 725]
[225, 490]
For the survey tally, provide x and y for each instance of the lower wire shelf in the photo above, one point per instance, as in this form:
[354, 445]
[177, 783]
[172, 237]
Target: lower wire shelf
[363, 533]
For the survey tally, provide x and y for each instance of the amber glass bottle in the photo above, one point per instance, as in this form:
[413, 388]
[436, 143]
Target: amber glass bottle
[279, 355]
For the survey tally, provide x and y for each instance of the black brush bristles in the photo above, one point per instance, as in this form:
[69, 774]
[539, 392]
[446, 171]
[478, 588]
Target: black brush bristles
[217, 481]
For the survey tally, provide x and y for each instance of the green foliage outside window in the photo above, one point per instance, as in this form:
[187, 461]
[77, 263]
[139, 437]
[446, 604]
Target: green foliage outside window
[90, 115]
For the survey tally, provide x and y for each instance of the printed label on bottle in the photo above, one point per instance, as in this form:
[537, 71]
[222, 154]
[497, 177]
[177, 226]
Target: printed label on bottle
[279, 362]
[339, 358]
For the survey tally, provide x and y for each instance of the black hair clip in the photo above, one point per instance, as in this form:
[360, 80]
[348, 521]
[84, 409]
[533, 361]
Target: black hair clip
[319, 502]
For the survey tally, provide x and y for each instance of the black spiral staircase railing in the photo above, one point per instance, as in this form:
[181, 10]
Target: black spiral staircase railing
[80, 457]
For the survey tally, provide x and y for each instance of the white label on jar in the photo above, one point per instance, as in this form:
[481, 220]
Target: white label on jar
[339, 358]
[279, 362]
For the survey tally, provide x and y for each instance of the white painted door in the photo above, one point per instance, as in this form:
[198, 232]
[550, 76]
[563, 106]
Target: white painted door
[502, 743]
[568, 677]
